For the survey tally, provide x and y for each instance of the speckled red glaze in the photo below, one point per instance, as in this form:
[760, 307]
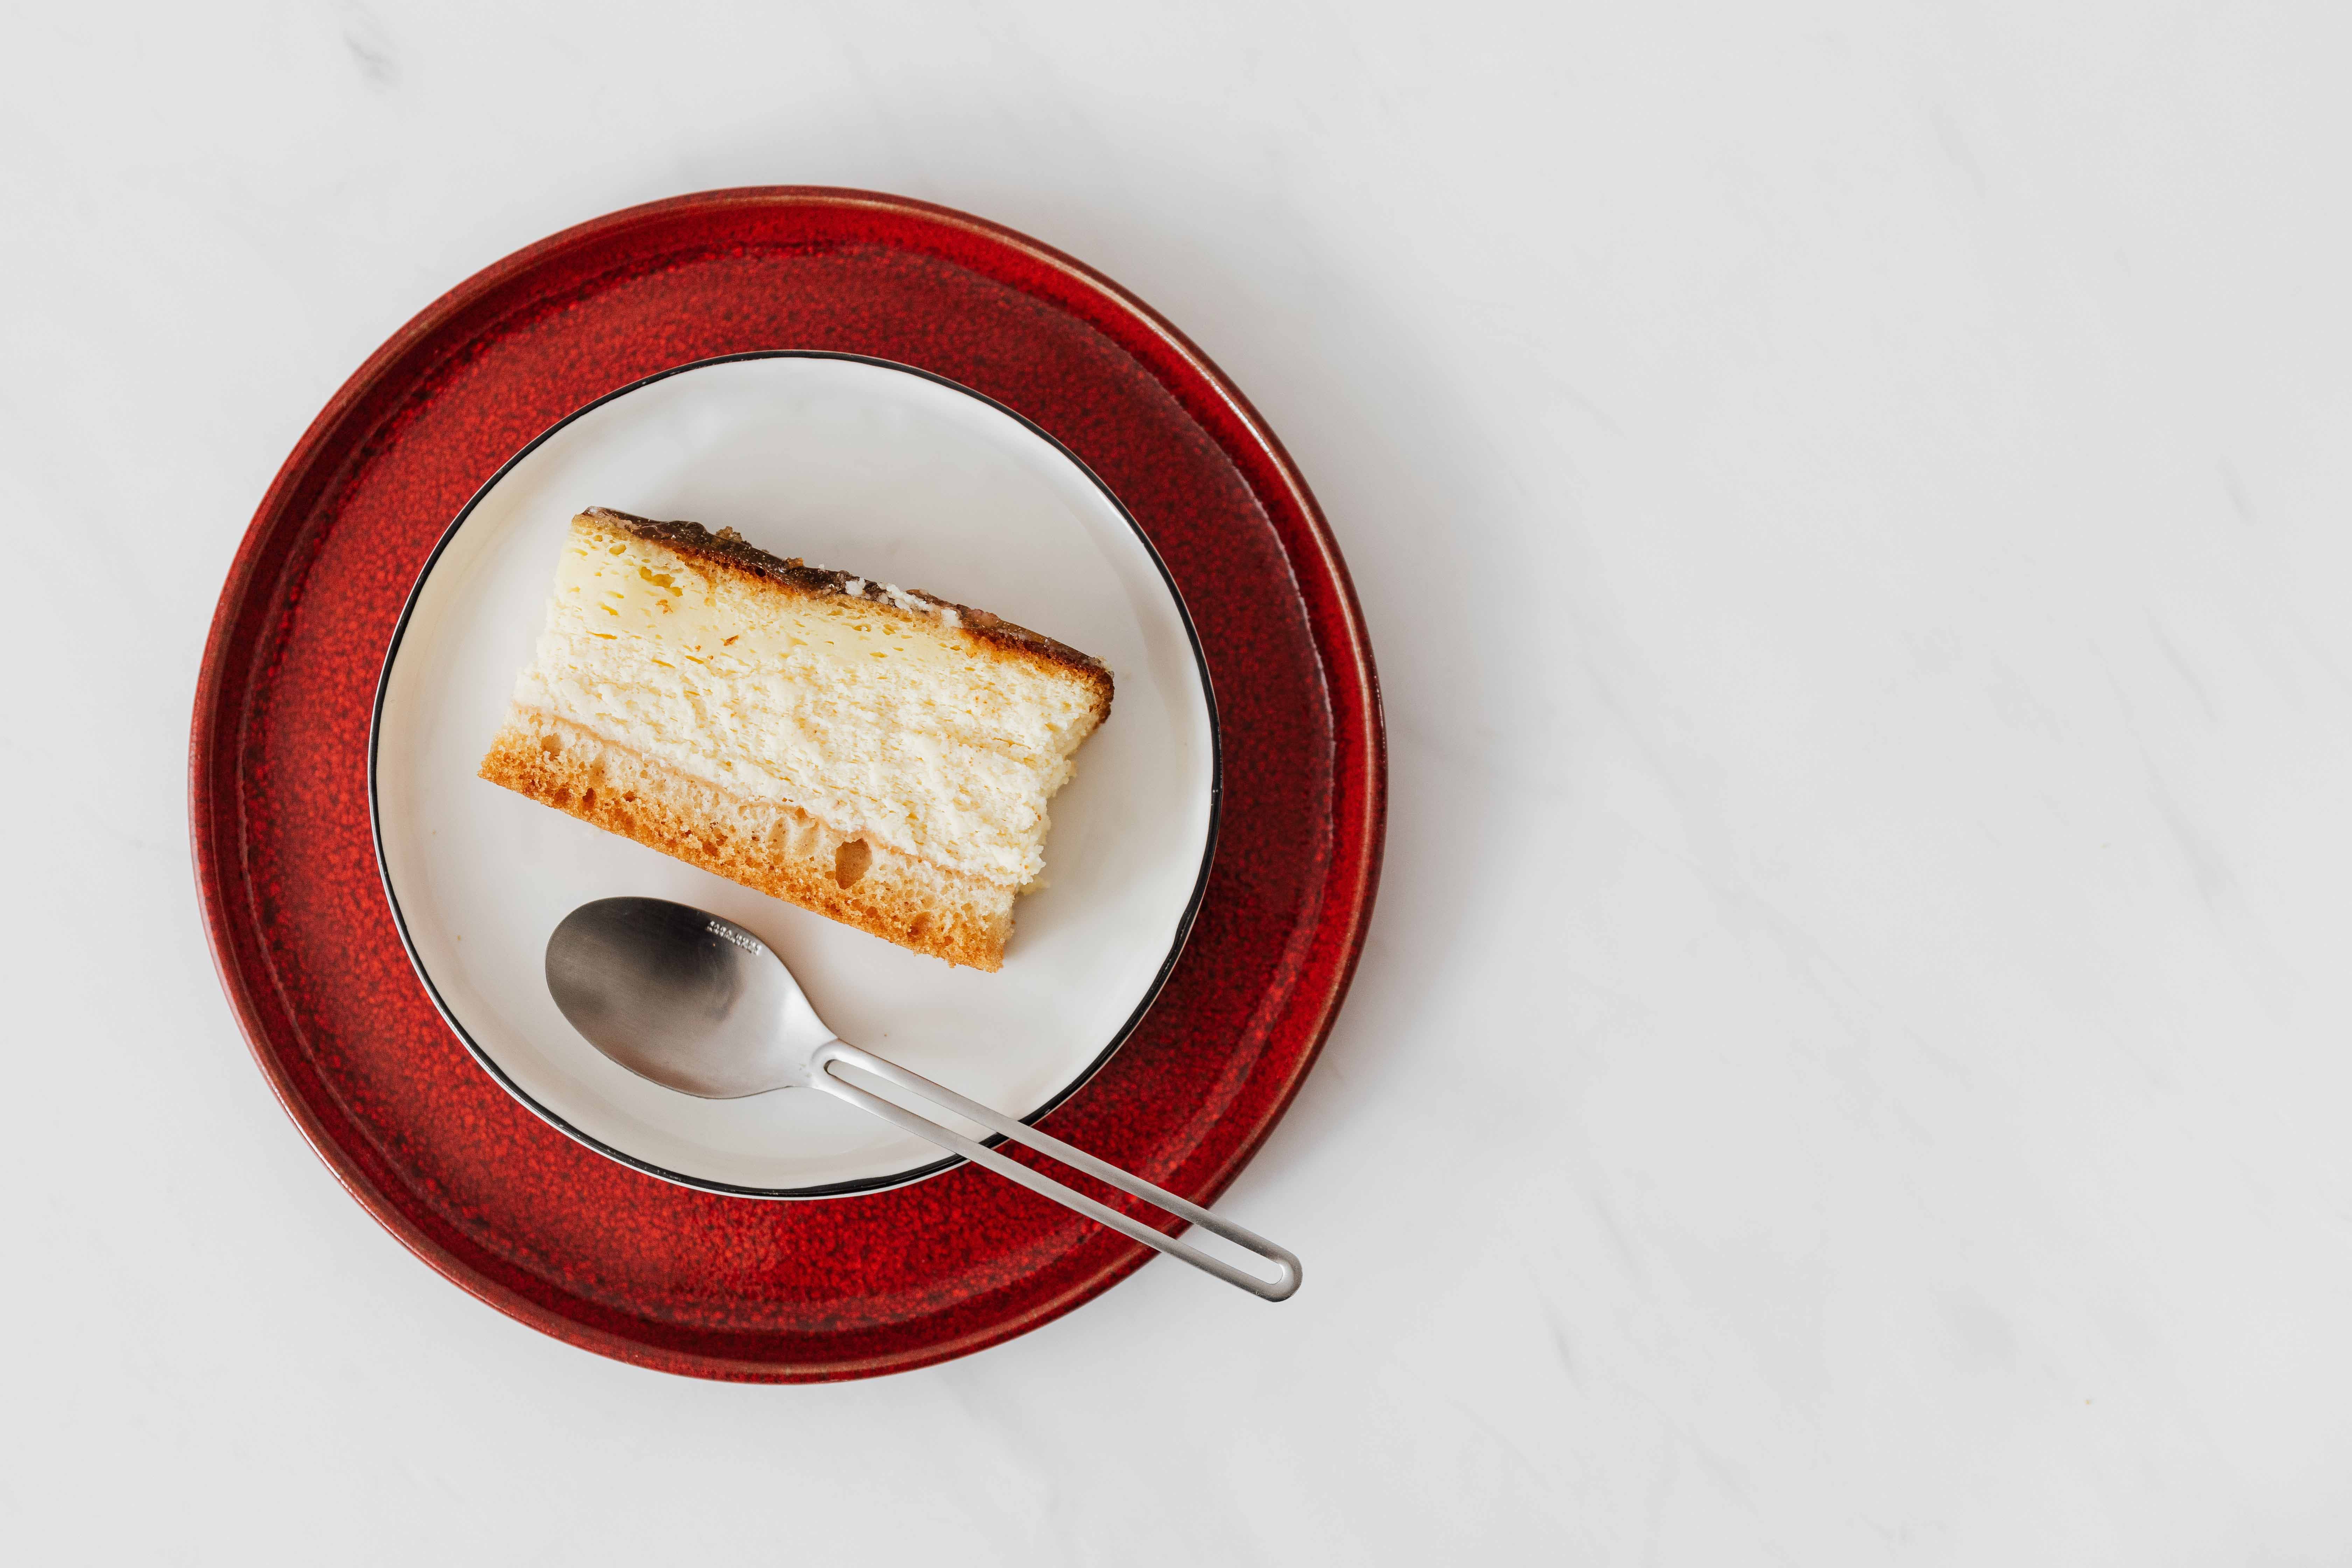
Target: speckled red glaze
[532, 1223]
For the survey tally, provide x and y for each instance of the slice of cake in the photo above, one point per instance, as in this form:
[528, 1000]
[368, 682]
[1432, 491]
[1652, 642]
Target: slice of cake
[880, 756]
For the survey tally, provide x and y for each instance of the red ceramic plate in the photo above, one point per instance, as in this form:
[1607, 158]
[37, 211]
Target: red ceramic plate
[592, 1251]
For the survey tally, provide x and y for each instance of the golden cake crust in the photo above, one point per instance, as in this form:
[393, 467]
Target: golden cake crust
[769, 845]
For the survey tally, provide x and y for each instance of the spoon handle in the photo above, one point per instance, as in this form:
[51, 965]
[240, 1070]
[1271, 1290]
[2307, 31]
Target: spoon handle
[823, 1077]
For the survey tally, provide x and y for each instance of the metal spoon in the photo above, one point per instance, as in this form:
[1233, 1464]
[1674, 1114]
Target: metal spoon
[698, 1004]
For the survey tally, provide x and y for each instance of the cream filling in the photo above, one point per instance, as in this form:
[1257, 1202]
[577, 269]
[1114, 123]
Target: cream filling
[904, 730]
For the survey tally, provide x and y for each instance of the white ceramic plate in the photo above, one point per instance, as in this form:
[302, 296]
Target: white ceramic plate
[873, 469]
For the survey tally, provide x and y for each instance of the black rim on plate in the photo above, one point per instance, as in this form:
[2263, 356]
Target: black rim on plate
[864, 1183]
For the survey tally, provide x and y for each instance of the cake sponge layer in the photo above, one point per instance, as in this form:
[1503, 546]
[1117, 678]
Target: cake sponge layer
[769, 845]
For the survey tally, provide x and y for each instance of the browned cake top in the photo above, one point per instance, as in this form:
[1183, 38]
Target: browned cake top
[729, 549]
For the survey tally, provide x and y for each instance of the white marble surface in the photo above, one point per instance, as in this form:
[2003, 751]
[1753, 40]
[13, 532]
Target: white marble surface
[1852, 504]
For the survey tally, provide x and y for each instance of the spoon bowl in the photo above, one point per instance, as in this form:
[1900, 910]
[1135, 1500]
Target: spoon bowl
[676, 994]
